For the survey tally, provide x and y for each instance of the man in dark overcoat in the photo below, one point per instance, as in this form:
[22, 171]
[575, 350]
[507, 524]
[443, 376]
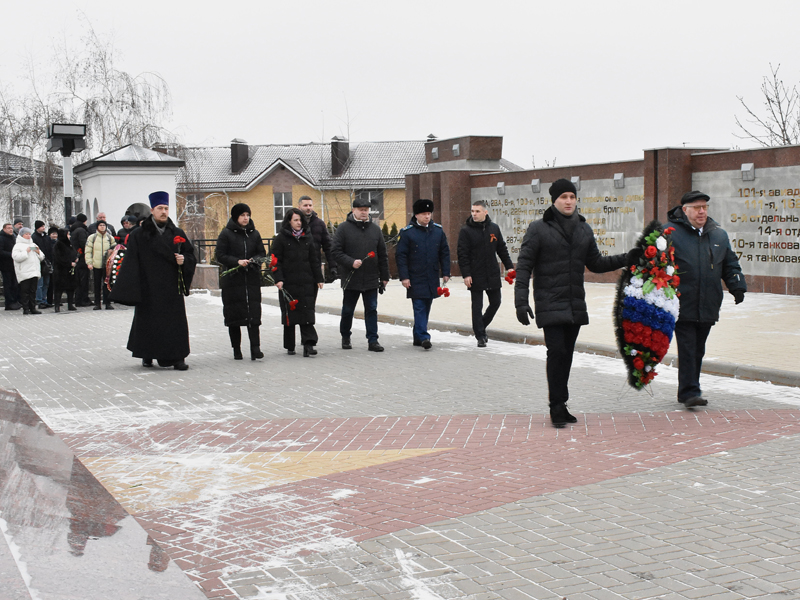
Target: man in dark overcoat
[556, 250]
[705, 259]
[362, 275]
[422, 253]
[78, 234]
[480, 243]
[154, 278]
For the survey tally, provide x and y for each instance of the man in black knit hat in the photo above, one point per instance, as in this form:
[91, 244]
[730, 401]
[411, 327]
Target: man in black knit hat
[556, 250]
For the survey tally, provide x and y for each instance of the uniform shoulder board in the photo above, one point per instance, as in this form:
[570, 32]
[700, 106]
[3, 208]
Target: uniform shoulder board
[406, 227]
[437, 225]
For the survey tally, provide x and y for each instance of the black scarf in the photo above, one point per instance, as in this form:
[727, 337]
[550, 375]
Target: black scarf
[567, 223]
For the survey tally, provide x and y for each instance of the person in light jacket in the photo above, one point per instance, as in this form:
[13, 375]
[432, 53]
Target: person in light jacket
[97, 246]
[28, 259]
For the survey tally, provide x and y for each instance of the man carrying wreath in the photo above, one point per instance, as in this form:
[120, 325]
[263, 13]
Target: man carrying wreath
[704, 259]
[156, 274]
[556, 250]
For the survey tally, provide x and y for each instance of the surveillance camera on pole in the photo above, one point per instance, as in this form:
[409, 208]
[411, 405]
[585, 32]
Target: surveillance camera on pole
[66, 139]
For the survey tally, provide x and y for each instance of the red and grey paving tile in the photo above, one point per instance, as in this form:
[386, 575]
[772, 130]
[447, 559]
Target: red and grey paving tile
[428, 475]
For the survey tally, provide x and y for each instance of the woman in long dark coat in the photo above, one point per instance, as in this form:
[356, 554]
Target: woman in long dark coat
[238, 244]
[300, 275]
[65, 257]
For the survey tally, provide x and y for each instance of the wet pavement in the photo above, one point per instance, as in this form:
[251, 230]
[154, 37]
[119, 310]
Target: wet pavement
[65, 536]
[407, 474]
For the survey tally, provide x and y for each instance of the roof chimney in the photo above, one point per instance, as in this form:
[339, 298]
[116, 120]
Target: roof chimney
[240, 154]
[340, 154]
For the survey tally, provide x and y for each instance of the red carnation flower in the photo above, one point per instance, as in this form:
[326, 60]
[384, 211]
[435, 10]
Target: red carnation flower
[371, 255]
[676, 281]
[293, 304]
[669, 230]
[273, 260]
[442, 291]
[638, 363]
[178, 240]
[650, 252]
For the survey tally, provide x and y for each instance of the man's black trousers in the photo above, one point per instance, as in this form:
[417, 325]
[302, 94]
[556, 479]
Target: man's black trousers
[560, 342]
[691, 338]
[481, 320]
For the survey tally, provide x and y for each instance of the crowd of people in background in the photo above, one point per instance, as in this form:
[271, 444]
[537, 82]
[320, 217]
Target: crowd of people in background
[39, 266]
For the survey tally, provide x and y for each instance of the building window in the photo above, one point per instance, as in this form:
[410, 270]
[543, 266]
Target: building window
[195, 204]
[22, 210]
[283, 202]
[375, 198]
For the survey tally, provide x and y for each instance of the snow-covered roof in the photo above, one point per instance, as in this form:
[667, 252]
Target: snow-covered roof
[381, 165]
[18, 168]
[131, 155]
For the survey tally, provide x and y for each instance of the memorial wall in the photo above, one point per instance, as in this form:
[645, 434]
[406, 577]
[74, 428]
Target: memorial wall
[762, 216]
[616, 215]
[755, 197]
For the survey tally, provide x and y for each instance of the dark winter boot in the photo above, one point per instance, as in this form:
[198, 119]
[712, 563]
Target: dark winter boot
[558, 415]
[237, 353]
[255, 352]
[570, 418]
[309, 350]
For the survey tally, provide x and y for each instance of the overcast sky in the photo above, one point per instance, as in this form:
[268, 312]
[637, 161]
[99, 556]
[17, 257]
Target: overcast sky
[575, 82]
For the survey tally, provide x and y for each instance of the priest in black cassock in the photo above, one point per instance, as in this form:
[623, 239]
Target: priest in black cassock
[154, 277]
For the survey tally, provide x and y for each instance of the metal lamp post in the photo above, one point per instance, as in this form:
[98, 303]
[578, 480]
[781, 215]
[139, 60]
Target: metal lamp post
[66, 139]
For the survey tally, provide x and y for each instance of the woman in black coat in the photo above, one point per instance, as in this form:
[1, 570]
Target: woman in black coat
[65, 257]
[299, 275]
[238, 245]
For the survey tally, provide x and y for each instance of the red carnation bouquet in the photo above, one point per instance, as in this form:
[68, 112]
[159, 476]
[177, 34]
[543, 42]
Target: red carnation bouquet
[179, 241]
[350, 274]
[443, 291]
[511, 275]
[288, 304]
[271, 262]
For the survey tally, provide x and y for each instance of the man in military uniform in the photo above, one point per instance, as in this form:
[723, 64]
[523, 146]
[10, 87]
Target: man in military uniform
[422, 253]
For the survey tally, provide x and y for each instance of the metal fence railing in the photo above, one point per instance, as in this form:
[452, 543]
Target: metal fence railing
[204, 249]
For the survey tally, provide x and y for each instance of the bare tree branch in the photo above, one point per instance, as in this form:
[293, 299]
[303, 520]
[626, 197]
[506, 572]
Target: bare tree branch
[778, 124]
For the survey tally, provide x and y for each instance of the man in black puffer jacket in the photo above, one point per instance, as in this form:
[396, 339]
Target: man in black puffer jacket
[362, 275]
[556, 250]
[705, 259]
[320, 234]
[480, 242]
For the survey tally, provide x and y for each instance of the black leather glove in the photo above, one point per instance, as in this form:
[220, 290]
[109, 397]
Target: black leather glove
[634, 254]
[738, 295]
[523, 312]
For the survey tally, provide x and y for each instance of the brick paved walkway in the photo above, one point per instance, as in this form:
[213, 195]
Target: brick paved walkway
[422, 475]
